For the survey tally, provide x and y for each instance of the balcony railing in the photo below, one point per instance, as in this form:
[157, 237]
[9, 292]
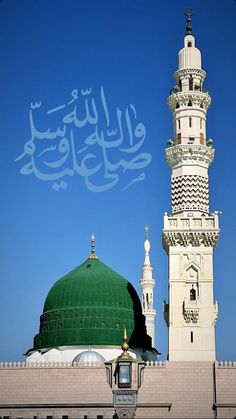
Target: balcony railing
[191, 223]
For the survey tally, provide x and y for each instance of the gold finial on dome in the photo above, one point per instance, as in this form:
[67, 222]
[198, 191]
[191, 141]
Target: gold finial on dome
[93, 255]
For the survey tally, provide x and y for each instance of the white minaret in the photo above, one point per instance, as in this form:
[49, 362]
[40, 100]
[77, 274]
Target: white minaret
[147, 284]
[190, 232]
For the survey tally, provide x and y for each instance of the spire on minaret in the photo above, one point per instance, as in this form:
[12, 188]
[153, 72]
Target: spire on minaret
[147, 284]
[93, 255]
[147, 248]
[188, 13]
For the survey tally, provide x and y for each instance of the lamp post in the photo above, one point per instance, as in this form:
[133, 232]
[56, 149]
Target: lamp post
[124, 376]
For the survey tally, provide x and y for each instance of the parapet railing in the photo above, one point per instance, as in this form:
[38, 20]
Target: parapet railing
[66, 364]
[49, 364]
[190, 222]
[226, 364]
[70, 364]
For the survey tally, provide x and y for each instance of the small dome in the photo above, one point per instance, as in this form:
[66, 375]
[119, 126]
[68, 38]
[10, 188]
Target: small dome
[91, 305]
[89, 356]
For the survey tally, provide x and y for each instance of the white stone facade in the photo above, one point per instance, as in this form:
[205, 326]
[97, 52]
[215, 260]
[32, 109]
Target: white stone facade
[190, 232]
[69, 391]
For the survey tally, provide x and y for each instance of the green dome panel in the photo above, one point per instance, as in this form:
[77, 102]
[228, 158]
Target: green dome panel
[90, 306]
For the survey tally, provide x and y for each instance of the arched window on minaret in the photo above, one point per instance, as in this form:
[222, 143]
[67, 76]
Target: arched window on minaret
[190, 121]
[189, 44]
[180, 85]
[190, 103]
[192, 294]
[191, 83]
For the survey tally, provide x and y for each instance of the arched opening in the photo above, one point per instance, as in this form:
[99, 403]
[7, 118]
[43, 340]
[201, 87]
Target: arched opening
[192, 294]
[190, 122]
[147, 301]
[190, 103]
[190, 83]
[177, 105]
[180, 85]
[189, 44]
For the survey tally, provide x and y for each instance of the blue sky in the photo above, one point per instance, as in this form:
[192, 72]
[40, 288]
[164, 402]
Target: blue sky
[49, 49]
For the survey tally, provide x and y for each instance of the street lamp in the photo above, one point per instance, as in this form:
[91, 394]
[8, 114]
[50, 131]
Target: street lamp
[124, 376]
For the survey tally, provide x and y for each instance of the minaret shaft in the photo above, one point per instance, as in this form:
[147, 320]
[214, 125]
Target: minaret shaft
[190, 233]
[147, 284]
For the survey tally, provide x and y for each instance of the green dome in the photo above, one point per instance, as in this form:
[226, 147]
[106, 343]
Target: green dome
[90, 306]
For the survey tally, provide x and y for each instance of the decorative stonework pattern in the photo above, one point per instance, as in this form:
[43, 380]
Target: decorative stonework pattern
[125, 397]
[186, 72]
[191, 316]
[186, 238]
[198, 99]
[179, 154]
[190, 192]
[206, 222]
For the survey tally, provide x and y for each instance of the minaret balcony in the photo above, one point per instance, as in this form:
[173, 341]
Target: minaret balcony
[147, 281]
[185, 73]
[178, 100]
[205, 222]
[190, 231]
[149, 311]
[189, 154]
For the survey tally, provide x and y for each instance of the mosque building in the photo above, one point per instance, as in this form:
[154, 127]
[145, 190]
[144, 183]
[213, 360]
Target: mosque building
[76, 368]
[87, 310]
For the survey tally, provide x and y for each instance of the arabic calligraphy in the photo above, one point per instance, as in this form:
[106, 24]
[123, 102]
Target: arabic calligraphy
[101, 145]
